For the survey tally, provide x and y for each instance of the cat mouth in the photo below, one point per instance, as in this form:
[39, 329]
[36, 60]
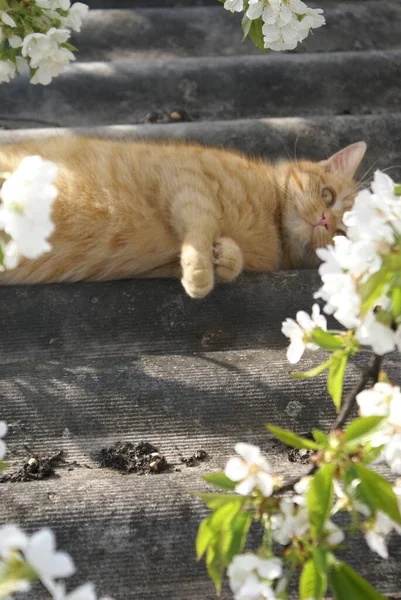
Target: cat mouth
[323, 222]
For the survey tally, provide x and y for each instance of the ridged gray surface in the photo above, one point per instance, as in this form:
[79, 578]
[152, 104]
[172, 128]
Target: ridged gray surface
[85, 365]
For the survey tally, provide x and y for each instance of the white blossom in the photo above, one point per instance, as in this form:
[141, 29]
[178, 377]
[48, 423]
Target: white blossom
[299, 332]
[334, 534]
[3, 432]
[46, 55]
[7, 70]
[25, 214]
[377, 531]
[373, 333]
[250, 575]
[12, 539]
[49, 564]
[285, 24]
[234, 5]
[76, 15]
[251, 470]
[292, 521]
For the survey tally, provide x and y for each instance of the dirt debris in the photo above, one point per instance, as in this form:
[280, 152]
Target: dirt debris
[34, 467]
[142, 458]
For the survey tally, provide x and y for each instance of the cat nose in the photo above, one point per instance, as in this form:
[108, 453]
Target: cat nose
[324, 221]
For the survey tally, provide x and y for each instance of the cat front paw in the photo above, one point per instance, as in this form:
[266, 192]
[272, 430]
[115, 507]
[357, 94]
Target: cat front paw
[198, 276]
[227, 258]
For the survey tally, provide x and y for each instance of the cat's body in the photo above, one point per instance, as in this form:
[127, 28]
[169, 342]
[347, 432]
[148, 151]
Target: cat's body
[143, 209]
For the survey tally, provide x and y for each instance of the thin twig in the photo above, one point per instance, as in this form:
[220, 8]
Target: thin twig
[371, 371]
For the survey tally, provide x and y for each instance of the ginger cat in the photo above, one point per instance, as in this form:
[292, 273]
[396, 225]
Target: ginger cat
[155, 209]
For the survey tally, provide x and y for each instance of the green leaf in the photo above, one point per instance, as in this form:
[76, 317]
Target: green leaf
[361, 430]
[214, 501]
[326, 340]
[392, 262]
[378, 492]
[320, 497]
[396, 303]
[291, 439]
[397, 189]
[312, 372]
[346, 584]
[313, 582]
[215, 564]
[320, 437]
[3, 465]
[246, 26]
[256, 34]
[336, 377]
[239, 530]
[204, 538]
[220, 480]
[218, 553]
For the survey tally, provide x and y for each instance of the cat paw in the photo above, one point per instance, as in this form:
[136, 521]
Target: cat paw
[198, 277]
[227, 258]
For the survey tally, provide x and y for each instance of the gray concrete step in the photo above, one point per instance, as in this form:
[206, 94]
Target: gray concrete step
[211, 89]
[209, 31]
[83, 366]
[312, 138]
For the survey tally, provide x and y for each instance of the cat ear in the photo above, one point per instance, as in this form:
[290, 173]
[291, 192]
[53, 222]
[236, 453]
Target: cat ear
[347, 161]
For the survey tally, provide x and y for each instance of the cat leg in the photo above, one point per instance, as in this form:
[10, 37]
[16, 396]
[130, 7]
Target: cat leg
[196, 219]
[227, 258]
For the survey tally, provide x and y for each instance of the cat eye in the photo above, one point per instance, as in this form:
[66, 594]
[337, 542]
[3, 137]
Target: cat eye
[328, 196]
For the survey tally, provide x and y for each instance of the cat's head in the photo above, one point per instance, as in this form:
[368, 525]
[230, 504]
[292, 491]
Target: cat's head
[317, 196]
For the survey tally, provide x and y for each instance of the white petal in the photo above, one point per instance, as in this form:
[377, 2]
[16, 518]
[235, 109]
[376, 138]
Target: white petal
[236, 469]
[265, 483]
[249, 452]
[295, 351]
[246, 486]
[270, 569]
[3, 428]
[377, 543]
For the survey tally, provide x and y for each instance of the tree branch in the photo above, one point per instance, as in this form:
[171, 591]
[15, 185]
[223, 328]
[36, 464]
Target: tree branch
[371, 371]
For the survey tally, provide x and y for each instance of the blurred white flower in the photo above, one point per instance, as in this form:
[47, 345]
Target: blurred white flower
[7, 70]
[246, 572]
[25, 214]
[76, 15]
[372, 333]
[12, 539]
[376, 532]
[299, 332]
[3, 432]
[49, 564]
[234, 5]
[292, 521]
[251, 471]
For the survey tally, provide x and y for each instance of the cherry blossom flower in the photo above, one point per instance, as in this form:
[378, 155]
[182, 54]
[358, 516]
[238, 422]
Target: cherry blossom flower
[285, 24]
[292, 521]
[299, 332]
[250, 576]
[251, 470]
[25, 214]
[234, 5]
